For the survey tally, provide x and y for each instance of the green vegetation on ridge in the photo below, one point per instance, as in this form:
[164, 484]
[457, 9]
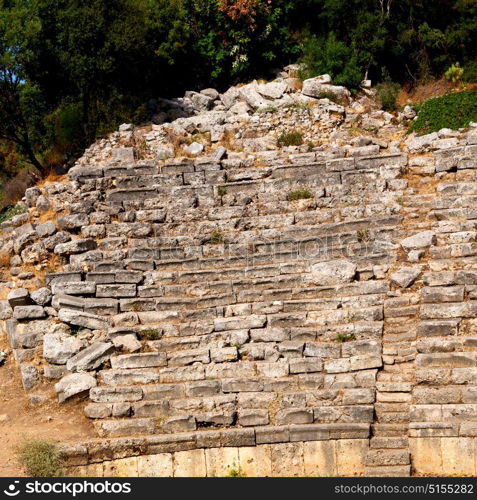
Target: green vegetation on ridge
[449, 111]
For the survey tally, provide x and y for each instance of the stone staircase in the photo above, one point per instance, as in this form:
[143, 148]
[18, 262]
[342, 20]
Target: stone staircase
[282, 298]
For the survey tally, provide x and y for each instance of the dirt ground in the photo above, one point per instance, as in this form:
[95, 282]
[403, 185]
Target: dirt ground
[20, 420]
[422, 92]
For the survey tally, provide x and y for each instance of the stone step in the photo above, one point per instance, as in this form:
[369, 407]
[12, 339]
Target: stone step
[389, 429]
[388, 471]
[387, 457]
[377, 442]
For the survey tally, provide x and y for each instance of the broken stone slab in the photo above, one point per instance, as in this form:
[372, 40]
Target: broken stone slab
[313, 87]
[404, 277]
[19, 297]
[42, 296]
[91, 357]
[73, 384]
[30, 376]
[45, 229]
[115, 394]
[252, 97]
[141, 360]
[420, 240]
[59, 347]
[28, 312]
[239, 322]
[333, 272]
[127, 342]
[86, 320]
[74, 288]
[272, 90]
[75, 246]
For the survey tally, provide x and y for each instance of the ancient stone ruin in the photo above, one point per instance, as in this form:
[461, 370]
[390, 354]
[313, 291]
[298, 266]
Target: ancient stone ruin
[298, 310]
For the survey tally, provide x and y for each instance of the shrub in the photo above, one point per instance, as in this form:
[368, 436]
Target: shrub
[290, 139]
[454, 73]
[299, 194]
[449, 111]
[387, 93]
[11, 212]
[40, 458]
[470, 72]
[221, 191]
[332, 56]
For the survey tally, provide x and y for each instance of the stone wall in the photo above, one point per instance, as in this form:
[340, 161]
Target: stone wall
[213, 321]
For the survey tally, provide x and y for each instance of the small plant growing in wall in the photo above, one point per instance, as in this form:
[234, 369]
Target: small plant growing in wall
[345, 337]
[236, 471]
[216, 238]
[40, 458]
[150, 334]
[362, 235]
[221, 191]
[299, 194]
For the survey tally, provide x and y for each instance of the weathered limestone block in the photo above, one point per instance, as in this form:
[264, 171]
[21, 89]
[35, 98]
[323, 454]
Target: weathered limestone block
[139, 360]
[91, 357]
[188, 357]
[98, 410]
[59, 347]
[255, 461]
[125, 290]
[74, 288]
[159, 465]
[333, 272]
[405, 276]
[239, 323]
[420, 240]
[75, 246]
[19, 297]
[115, 394]
[28, 312]
[73, 384]
[42, 296]
[30, 376]
[247, 418]
[84, 319]
[190, 464]
[287, 460]
[319, 458]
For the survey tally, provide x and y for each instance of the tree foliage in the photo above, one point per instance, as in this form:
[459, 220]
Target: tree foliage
[71, 70]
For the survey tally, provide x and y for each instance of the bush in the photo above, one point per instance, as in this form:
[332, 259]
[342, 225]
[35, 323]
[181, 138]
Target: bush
[299, 194]
[329, 55]
[449, 111]
[470, 72]
[387, 94]
[290, 139]
[454, 73]
[40, 458]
